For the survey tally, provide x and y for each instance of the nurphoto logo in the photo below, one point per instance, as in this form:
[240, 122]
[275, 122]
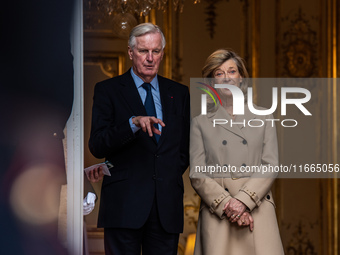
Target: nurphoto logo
[239, 103]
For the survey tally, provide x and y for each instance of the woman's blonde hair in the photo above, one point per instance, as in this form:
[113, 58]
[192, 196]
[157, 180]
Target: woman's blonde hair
[216, 59]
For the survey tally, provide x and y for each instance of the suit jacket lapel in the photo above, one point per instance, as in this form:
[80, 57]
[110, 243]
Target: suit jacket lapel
[130, 93]
[166, 101]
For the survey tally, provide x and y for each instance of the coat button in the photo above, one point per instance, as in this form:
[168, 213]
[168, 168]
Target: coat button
[154, 177]
[244, 165]
[224, 142]
[226, 189]
[244, 141]
[268, 196]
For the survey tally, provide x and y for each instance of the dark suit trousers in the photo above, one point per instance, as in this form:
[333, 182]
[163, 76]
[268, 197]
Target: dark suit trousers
[152, 239]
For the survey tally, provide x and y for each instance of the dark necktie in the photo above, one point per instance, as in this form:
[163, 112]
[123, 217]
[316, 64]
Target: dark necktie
[150, 105]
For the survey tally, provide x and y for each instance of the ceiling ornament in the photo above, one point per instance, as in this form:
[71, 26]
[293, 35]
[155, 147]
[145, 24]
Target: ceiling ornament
[123, 15]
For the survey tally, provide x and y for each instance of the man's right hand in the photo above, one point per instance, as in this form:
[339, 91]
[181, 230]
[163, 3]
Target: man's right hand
[147, 124]
[96, 174]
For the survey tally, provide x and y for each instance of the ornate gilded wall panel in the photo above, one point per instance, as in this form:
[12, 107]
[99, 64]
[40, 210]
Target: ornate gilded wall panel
[305, 48]
[299, 46]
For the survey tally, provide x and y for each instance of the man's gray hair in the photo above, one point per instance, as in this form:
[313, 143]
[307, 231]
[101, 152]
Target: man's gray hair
[143, 29]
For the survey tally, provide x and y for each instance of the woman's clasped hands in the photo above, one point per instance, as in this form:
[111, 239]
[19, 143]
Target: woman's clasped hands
[235, 211]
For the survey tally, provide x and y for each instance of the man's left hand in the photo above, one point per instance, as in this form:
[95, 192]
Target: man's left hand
[96, 174]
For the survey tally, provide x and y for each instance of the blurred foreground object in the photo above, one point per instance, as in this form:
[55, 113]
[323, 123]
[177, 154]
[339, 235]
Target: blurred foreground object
[36, 70]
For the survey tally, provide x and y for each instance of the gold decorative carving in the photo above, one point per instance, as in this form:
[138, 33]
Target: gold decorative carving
[191, 210]
[211, 13]
[299, 62]
[299, 48]
[111, 63]
[180, 249]
[300, 243]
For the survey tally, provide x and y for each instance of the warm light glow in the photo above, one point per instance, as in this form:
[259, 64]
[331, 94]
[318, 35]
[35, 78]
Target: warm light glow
[35, 194]
[189, 247]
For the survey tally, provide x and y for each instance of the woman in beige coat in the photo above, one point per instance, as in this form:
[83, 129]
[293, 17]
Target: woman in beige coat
[237, 214]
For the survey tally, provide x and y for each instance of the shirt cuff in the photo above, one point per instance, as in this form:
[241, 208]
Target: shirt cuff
[134, 128]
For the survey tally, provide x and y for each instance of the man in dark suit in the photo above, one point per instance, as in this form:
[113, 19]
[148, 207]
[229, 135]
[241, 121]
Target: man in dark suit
[140, 122]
